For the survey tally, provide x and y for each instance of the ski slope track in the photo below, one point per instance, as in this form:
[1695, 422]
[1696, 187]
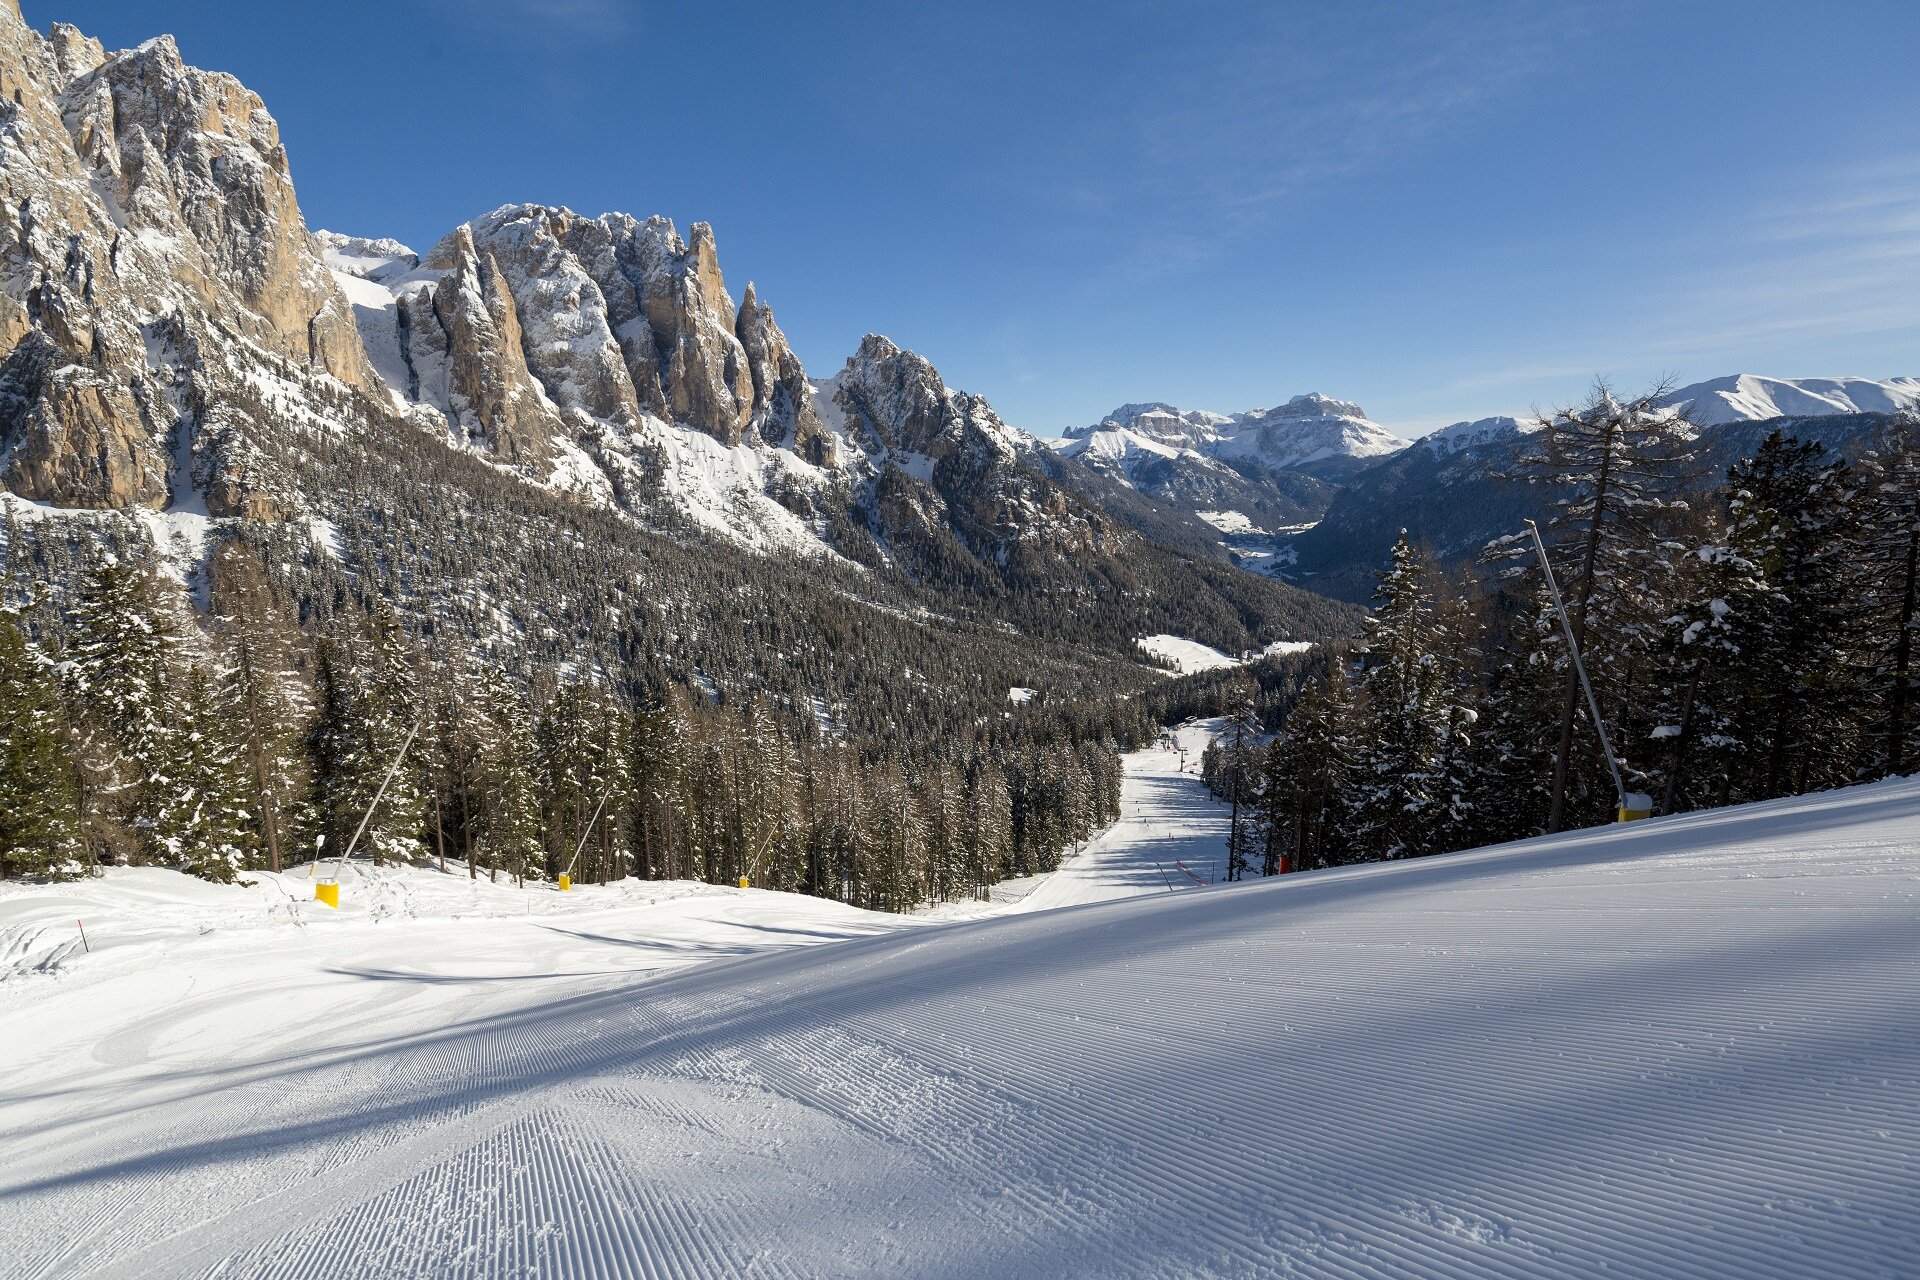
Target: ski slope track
[1689, 1047]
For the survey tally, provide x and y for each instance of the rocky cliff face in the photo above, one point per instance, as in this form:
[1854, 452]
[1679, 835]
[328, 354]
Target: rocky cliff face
[783, 410]
[464, 330]
[146, 216]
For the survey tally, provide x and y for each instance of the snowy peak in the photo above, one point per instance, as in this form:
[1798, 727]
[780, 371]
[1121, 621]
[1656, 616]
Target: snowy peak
[1748, 397]
[1307, 429]
[1451, 439]
[1159, 423]
[896, 401]
[1117, 445]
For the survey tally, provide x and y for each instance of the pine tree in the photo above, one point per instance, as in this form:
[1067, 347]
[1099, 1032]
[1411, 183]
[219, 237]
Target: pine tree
[265, 684]
[510, 818]
[1700, 673]
[1397, 806]
[1518, 732]
[40, 829]
[1237, 773]
[658, 780]
[209, 826]
[368, 709]
[1317, 752]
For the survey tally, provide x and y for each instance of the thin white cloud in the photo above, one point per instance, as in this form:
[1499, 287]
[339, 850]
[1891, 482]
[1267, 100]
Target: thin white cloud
[545, 22]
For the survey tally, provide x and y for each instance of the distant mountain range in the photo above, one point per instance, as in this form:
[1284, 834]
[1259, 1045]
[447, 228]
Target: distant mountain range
[1315, 492]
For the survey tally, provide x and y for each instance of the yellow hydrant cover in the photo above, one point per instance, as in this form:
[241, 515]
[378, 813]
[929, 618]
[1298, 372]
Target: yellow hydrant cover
[743, 882]
[566, 882]
[328, 893]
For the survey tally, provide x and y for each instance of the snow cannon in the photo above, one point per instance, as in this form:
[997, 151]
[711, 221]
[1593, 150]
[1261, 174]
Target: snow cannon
[743, 882]
[566, 882]
[1635, 805]
[328, 892]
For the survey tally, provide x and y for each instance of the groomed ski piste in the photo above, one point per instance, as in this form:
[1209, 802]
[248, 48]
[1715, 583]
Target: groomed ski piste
[1685, 1047]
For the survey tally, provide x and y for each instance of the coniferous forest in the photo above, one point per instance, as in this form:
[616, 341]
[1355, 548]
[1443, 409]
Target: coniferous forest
[1746, 639]
[140, 732]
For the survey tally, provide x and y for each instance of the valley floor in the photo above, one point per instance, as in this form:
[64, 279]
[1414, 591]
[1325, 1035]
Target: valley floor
[1686, 1047]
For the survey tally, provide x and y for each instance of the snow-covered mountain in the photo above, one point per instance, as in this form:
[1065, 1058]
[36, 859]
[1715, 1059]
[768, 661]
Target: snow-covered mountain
[1453, 438]
[1749, 397]
[1307, 430]
[174, 339]
[1261, 470]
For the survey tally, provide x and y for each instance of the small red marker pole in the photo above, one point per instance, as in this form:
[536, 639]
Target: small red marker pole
[83, 938]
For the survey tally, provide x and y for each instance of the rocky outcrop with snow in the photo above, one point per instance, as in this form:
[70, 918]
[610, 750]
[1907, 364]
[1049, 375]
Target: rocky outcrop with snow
[1453, 438]
[1162, 423]
[1305, 430]
[939, 463]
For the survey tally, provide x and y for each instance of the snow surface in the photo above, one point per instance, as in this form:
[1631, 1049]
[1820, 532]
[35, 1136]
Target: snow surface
[1232, 522]
[1171, 836]
[1680, 1047]
[1747, 397]
[1184, 655]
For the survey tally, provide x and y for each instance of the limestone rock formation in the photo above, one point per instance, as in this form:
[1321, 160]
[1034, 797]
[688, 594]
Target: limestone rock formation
[469, 320]
[783, 412]
[146, 210]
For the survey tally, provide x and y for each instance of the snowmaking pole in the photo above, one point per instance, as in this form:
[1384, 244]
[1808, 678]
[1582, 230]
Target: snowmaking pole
[321, 891]
[566, 876]
[1632, 804]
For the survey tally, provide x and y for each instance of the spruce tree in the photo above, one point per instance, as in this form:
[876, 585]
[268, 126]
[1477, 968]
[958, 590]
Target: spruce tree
[40, 831]
[123, 689]
[1396, 806]
[210, 829]
[265, 683]
[1318, 751]
[368, 705]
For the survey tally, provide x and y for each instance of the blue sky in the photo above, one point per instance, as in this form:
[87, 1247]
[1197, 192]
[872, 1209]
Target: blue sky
[1439, 210]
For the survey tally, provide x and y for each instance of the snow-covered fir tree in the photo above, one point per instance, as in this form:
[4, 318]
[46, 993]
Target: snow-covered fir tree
[123, 688]
[1401, 804]
[40, 831]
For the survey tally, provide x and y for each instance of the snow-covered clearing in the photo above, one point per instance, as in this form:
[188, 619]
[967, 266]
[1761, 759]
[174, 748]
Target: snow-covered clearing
[1190, 656]
[1183, 655]
[1682, 1047]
